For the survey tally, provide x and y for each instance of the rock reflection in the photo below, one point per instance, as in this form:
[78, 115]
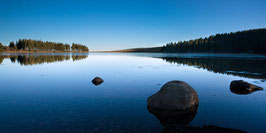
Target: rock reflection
[177, 121]
[32, 59]
[242, 92]
[249, 68]
[174, 117]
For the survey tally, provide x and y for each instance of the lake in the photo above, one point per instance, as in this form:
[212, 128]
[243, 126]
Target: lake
[53, 93]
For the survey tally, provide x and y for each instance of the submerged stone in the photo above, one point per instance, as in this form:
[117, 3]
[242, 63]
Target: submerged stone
[97, 81]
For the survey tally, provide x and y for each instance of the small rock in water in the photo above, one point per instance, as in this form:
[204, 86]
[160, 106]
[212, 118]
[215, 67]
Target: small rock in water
[97, 81]
[242, 87]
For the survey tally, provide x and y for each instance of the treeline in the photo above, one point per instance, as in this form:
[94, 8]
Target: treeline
[249, 41]
[38, 45]
[79, 47]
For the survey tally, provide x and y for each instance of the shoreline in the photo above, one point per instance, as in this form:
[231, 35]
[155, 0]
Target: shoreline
[173, 52]
[119, 51]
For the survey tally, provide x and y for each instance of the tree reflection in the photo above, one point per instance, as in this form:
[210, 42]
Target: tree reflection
[1, 59]
[40, 59]
[238, 67]
[76, 57]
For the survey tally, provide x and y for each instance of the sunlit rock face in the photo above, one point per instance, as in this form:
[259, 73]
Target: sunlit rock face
[243, 88]
[97, 81]
[174, 95]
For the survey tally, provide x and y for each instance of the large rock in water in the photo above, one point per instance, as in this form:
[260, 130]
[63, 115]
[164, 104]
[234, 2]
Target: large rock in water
[242, 87]
[97, 81]
[174, 95]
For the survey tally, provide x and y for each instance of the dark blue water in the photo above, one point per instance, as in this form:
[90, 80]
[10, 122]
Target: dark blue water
[48, 93]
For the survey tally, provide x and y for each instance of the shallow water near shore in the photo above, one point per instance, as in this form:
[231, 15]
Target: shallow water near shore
[46, 93]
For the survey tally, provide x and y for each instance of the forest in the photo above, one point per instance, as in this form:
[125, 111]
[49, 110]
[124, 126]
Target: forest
[248, 41]
[38, 45]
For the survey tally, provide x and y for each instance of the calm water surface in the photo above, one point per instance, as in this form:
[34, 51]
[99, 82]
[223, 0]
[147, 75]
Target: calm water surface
[48, 93]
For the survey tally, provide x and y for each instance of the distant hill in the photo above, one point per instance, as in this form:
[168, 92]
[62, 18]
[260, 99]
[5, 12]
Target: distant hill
[248, 41]
[151, 49]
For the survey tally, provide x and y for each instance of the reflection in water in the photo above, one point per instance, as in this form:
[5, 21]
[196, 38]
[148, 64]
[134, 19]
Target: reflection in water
[238, 67]
[177, 121]
[1, 59]
[241, 92]
[63, 102]
[174, 117]
[77, 56]
[31, 59]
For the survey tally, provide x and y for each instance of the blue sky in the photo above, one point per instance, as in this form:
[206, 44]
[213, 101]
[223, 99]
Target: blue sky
[120, 24]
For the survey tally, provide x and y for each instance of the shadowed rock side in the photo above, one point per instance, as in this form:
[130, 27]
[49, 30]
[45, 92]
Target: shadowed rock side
[255, 69]
[243, 88]
[40, 59]
[175, 106]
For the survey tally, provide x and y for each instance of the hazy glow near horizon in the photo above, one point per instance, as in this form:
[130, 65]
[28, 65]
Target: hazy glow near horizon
[120, 24]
